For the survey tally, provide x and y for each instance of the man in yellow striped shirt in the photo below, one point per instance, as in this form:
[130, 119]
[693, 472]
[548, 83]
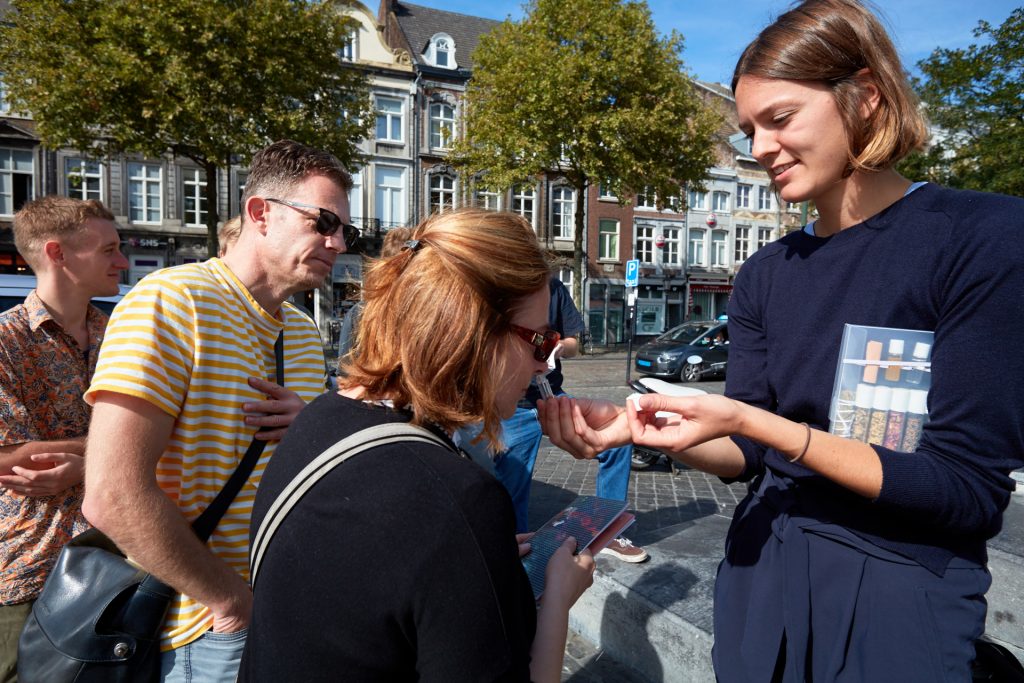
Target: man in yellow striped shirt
[182, 386]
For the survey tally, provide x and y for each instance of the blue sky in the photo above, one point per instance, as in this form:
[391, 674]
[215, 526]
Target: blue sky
[716, 31]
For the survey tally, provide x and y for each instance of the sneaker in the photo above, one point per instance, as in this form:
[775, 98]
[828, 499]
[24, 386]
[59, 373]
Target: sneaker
[623, 549]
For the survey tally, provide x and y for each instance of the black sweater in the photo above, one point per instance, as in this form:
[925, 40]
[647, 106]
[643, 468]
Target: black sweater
[941, 260]
[400, 565]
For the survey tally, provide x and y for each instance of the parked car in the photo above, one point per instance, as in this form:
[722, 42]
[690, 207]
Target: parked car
[14, 289]
[688, 352]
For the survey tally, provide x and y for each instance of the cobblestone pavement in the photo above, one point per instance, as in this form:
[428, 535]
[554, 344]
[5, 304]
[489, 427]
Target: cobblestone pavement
[660, 498]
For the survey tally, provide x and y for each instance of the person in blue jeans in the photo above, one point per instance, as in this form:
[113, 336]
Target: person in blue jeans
[522, 434]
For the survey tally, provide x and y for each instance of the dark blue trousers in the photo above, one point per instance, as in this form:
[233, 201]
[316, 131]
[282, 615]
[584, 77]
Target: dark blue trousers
[798, 599]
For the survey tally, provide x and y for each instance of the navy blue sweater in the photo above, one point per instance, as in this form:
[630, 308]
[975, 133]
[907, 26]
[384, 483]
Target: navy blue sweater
[938, 259]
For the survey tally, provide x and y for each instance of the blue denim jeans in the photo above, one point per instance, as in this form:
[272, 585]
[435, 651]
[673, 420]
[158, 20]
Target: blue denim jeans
[212, 658]
[513, 467]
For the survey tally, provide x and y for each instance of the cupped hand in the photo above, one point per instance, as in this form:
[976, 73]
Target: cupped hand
[58, 472]
[583, 427]
[274, 414]
[685, 421]
[568, 575]
[237, 617]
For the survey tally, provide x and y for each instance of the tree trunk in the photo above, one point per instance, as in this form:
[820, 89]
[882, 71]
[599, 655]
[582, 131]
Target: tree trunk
[212, 215]
[578, 264]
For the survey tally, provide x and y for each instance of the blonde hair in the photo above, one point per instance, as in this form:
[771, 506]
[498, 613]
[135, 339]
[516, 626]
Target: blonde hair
[435, 329]
[52, 218]
[832, 42]
[227, 234]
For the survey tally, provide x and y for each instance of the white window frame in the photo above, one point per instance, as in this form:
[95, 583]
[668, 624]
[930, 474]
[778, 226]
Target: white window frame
[698, 201]
[696, 254]
[643, 243]
[671, 255]
[193, 185]
[350, 50]
[720, 201]
[563, 212]
[605, 194]
[442, 127]
[764, 198]
[719, 249]
[434, 50]
[490, 201]
[5, 104]
[647, 199]
[389, 212]
[390, 119]
[355, 199]
[743, 196]
[524, 203]
[90, 178]
[137, 175]
[741, 251]
[607, 240]
[8, 167]
[764, 237]
[443, 186]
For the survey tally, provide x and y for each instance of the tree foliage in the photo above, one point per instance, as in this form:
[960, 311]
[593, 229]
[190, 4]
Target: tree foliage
[975, 98]
[210, 80]
[590, 88]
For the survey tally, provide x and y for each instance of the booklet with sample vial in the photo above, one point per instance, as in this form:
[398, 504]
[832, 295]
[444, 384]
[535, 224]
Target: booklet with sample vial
[881, 388]
[594, 523]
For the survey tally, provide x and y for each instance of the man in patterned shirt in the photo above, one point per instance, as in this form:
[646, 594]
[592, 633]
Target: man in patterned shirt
[180, 390]
[48, 351]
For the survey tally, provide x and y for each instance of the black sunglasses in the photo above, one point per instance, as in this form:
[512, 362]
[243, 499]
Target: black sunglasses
[327, 222]
[544, 342]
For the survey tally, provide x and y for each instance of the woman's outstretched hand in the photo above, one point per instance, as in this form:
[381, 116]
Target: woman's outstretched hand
[583, 427]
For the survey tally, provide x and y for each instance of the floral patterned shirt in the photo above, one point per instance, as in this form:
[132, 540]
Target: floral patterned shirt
[43, 374]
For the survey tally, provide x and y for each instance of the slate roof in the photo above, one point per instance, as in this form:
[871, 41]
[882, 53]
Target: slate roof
[420, 24]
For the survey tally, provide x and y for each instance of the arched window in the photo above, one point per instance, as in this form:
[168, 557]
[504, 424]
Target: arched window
[441, 51]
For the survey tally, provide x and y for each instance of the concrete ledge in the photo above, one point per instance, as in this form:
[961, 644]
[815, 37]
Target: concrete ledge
[1005, 622]
[656, 617]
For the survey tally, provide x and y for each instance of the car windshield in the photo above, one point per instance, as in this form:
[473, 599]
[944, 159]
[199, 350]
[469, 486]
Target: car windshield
[684, 333]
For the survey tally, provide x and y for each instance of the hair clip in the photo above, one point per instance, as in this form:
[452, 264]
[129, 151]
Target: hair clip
[412, 245]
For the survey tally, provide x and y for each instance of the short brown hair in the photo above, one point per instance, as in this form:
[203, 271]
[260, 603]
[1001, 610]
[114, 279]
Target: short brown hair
[435, 329]
[51, 218]
[831, 42]
[278, 167]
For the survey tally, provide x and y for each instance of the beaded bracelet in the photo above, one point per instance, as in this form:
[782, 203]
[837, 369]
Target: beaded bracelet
[806, 443]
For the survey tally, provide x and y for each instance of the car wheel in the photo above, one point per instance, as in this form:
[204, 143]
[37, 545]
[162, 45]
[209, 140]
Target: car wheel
[690, 372]
[643, 459]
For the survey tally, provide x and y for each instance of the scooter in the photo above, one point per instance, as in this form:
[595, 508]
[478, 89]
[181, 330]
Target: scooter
[644, 457]
[695, 368]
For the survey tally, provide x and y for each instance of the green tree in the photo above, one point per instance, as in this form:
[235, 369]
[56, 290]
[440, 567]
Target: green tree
[974, 96]
[589, 89]
[209, 80]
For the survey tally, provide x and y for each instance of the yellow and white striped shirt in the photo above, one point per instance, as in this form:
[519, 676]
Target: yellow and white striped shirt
[187, 339]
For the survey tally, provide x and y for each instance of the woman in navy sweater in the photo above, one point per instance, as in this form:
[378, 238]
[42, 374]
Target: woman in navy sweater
[849, 561]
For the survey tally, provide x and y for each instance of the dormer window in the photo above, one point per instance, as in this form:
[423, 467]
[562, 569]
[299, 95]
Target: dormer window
[441, 51]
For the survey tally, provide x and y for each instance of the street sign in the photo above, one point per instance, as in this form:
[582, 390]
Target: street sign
[632, 273]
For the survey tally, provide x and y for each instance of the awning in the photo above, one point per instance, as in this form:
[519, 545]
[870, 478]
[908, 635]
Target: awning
[717, 289]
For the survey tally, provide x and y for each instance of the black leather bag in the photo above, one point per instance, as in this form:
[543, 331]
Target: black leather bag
[99, 617]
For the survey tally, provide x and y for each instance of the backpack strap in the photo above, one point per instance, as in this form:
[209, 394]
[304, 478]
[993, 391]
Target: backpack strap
[321, 466]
